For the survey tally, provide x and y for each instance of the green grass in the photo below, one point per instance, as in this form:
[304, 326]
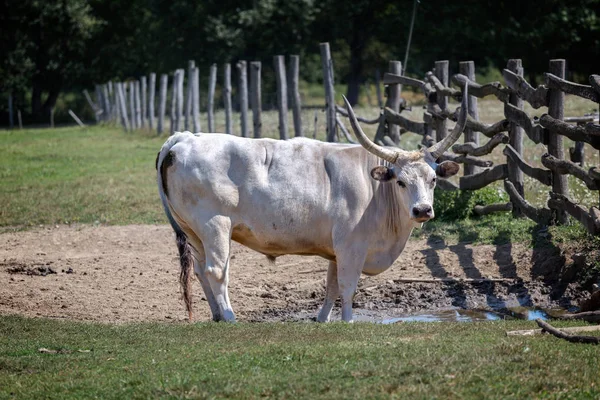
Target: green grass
[96, 174]
[295, 360]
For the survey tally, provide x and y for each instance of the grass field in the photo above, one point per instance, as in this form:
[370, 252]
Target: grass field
[292, 360]
[106, 176]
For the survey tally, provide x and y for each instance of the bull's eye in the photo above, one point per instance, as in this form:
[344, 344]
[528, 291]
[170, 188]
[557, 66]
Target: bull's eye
[401, 184]
[433, 182]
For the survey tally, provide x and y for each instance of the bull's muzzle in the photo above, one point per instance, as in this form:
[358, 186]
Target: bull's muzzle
[422, 212]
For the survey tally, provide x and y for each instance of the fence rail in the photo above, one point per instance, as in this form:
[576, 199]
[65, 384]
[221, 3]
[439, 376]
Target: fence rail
[547, 129]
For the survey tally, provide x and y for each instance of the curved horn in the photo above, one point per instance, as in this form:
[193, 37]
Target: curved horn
[379, 151]
[439, 148]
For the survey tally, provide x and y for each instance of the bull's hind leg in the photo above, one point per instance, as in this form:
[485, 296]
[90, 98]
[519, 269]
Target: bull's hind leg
[216, 237]
[331, 293]
[200, 271]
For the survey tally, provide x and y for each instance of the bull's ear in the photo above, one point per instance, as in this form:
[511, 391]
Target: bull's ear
[382, 174]
[447, 169]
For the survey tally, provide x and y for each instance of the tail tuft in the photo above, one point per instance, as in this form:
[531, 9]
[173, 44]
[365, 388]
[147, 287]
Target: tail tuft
[186, 262]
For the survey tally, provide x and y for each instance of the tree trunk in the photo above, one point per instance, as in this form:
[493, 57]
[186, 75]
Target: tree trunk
[357, 45]
[50, 103]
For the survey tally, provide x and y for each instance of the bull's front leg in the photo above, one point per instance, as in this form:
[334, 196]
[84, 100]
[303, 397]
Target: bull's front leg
[350, 265]
[331, 293]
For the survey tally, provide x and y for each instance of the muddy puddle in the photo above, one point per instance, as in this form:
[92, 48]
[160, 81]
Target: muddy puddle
[463, 315]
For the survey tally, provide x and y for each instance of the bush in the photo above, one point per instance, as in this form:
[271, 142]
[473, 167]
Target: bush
[458, 205]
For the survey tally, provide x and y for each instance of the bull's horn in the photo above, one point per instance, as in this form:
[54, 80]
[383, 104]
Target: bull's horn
[439, 148]
[385, 153]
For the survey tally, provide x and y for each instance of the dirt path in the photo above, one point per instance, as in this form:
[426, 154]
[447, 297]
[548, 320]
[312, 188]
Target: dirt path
[130, 273]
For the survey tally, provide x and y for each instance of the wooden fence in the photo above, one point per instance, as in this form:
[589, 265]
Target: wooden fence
[123, 103]
[132, 103]
[547, 129]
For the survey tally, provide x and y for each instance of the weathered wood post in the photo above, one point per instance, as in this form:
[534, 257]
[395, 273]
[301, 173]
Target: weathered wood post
[113, 102]
[281, 80]
[123, 106]
[441, 72]
[173, 114]
[189, 96]
[328, 80]
[179, 117]
[144, 83]
[117, 106]
[467, 68]
[295, 94]
[151, 96]
[106, 104]
[162, 102]
[20, 119]
[11, 121]
[515, 133]
[227, 97]
[393, 100]
[255, 98]
[99, 102]
[132, 118]
[212, 83]
[87, 97]
[52, 117]
[138, 105]
[243, 90]
[196, 99]
[556, 100]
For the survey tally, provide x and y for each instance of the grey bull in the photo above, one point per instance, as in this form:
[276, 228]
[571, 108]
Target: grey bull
[354, 205]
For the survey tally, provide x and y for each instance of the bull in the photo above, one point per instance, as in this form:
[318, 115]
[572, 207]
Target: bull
[354, 205]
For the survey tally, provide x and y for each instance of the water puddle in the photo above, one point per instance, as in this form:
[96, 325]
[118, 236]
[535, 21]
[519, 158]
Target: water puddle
[461, 315]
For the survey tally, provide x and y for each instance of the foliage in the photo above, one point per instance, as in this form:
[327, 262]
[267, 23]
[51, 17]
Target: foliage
[459, 204]
[54, 46]
[293, 360]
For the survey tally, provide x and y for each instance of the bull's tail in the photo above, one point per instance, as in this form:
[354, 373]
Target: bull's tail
[163, 160]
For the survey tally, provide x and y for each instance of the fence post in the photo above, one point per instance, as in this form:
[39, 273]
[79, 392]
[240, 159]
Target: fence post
[138, 106]
[106, 104]
[393, 100]
[227, 97]
[116, 105]
[280, 77]
[441, 72]
[113, 102]
[556, 100]
[162, 103]
[151, 96]
[255, 98]
[173, 115]
[328, 80]
[295, 95]
[179, 117]
[100, 102]
[195, 77]
[515, 134]
[123, 106]
[467, 68]
[132, 118]
[243, 91]
[189, 96]
[144, 83]
[87, 97]
[212, 83]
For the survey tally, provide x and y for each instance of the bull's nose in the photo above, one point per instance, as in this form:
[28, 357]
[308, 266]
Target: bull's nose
[422, 212]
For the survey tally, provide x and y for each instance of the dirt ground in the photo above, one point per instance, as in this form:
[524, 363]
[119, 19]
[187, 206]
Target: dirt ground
[130, 273]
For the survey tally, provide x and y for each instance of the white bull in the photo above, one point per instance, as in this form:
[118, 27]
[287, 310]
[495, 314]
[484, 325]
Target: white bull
[354, 206]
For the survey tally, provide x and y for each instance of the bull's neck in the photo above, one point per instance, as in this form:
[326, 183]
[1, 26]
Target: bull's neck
[387, 208]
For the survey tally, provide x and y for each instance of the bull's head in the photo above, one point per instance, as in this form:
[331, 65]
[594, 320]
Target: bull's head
[414, 171]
